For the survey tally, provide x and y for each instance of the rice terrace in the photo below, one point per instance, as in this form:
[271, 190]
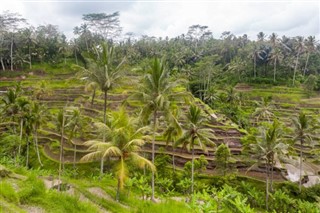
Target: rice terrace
[115, 107]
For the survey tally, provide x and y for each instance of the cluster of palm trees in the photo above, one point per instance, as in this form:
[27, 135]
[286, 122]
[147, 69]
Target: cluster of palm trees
[120, 139]
[273, 141]
[26, 114]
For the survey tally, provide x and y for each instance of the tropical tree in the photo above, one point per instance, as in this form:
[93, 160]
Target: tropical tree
[276, 57]
[104, 72]
[269, 145]
[302, 134]
[310, 46]
[299, 48]
[222, 156]
[39, 116]
[157, 93]
[173, 131]
[196, 133]
[124, 143]
[264, 109]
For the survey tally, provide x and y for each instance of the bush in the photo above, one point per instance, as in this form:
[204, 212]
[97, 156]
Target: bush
[32, 188]
[8, 192]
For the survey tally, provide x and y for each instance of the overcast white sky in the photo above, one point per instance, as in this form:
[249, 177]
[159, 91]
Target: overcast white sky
[172, 18]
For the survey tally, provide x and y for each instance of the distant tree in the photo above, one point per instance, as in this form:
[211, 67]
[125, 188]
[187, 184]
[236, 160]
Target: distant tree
[106, 25]
[11, 22]
[299, 48]
[310, 47]
[222, 156]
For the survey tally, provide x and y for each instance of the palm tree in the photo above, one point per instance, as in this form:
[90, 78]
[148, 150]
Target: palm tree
[267, 147]
[123, 145]
[23, 106]
[237, 65]
[157, 93]
[255, 55]
[302, 134]
[195, 134]
[276, 57]
[173, 131]
[74, 125]
[39, 116]
[264, 109]
[299, 47]
[310, 44]
[103, 72]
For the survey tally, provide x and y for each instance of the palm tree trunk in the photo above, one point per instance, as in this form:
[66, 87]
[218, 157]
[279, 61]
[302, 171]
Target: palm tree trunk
[105, 107]
[173, 163]
[11, 53]
[153, 150]
[93, 96]
[61, 153]
[101, 166]
[254, 67]
[118, 190]
[76, 57]
[27, 160]
[30, 62]
[192, 168]
[275, 70]
[2, 64]
[300, 169]
[267, 186]
[20, 143]
[36, 145]
[295, 68]
[271, 181]
[74, 156]
[305, 67]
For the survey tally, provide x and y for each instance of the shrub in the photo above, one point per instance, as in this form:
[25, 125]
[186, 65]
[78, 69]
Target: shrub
[8, 192]
[32, 188]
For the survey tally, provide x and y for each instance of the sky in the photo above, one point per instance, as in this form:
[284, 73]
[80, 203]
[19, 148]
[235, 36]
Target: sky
[161, 18]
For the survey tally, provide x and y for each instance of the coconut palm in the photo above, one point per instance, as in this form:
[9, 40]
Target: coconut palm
[123, 144]
[157, 93]
[173, 131]
[276, 57]
[103, 71]
[74, 126]
[38, 116]
[302, 135]
[195, 134]
[299, 48]
[23, 106]
[310, 44]
[269, 145]
[264, 109]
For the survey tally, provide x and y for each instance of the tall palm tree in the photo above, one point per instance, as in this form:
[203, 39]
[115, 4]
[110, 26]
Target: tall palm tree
[276, 57]
[269, 145]
[173, 131]
[302, 134]
[39, 116]
[74, 126]
[104, 72]
[123, 145]
[157, 93]
[195, 134]
[299, 48]
[24, 107]
[310, 44]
